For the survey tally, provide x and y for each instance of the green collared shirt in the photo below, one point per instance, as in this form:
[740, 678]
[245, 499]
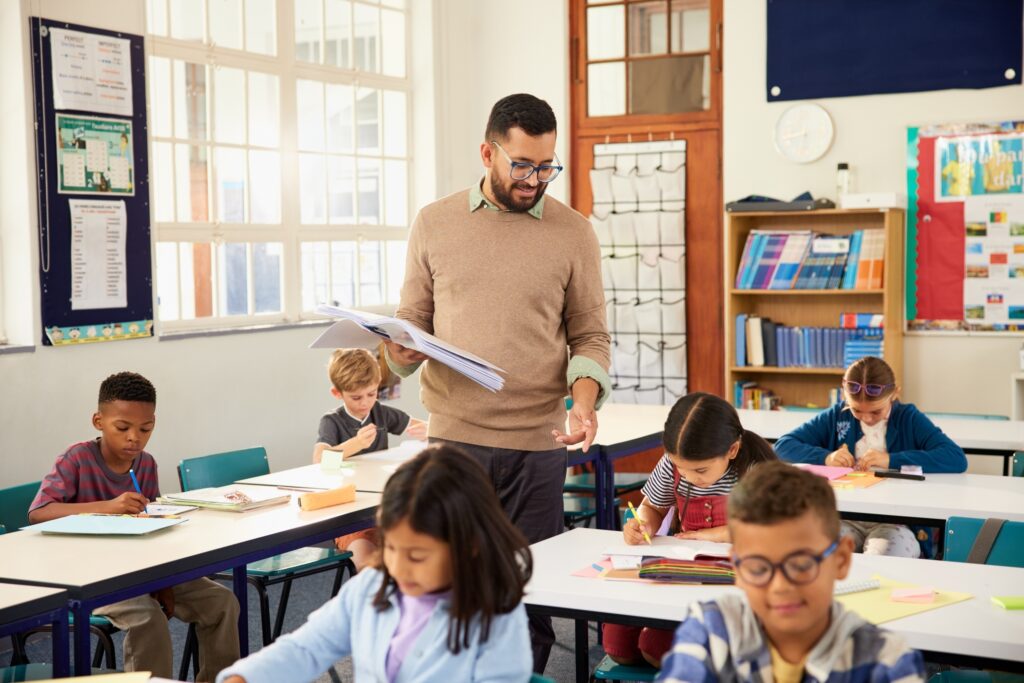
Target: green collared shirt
[477, 198]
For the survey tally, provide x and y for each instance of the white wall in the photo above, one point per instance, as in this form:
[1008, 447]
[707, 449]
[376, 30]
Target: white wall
[942, 373]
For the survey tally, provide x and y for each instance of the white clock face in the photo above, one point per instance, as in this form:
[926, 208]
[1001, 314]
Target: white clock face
[803, 133]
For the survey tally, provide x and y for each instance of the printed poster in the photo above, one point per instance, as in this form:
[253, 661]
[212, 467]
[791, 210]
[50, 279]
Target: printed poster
[994, 260]
[972, 165]
[98, 273]
[91, 72]
[94, 156]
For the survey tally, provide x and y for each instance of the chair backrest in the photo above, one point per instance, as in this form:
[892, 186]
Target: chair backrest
[1007, 550]
[14, 502]
[1017, 469]
[221, 469]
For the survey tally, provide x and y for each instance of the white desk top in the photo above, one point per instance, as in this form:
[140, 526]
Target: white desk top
[939, 496]
[105, 563]
[975, 627]
[368, 471]
[20, 602]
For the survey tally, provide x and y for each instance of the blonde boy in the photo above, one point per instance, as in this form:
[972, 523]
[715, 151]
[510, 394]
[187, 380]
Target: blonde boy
[786, 628]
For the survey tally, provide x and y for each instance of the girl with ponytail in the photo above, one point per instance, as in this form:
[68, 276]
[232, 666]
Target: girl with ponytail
[707, 452]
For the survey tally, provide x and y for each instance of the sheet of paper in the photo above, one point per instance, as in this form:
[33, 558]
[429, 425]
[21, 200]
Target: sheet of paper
[161, 510]
[826, 471]
[919, 595]
[877, 606]
[670, 546]
[98, 264]
[399, 454]
[105, 525]
[330, 460]
[593, 571]
[91, 72]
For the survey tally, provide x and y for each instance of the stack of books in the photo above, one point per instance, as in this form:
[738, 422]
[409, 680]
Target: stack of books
[747, 394]
[762, 342]
[669, 570]
[800, 259]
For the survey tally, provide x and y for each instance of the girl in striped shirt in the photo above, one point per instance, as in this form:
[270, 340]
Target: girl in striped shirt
[707, 451]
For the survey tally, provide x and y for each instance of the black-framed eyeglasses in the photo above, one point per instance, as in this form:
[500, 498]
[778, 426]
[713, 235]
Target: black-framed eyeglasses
[520, 170]
[872, 390]
[799, 568]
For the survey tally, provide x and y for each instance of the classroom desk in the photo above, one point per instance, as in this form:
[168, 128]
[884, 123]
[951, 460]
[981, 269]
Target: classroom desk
[368, 471]
[972, 633]
[97, 571]
[26, 607]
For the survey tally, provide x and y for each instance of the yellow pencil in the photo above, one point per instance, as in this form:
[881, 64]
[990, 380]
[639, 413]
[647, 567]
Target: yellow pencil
[632, 509]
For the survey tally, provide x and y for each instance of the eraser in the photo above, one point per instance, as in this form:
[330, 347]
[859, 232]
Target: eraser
[1009, 601]
[918, 595]
[911, 469]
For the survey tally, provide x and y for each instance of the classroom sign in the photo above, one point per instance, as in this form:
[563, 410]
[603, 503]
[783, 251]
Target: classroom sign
[94, 156]
[969, 166]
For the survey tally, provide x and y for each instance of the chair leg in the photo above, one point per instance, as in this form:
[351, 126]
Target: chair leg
[189, 654]
[104, 648]
[18, 655]
[345, 566]
[261, 590]
[282, 605]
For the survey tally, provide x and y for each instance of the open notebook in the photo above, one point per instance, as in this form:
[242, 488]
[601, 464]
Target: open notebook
[672, 548]
[104, 525]
[233, 498]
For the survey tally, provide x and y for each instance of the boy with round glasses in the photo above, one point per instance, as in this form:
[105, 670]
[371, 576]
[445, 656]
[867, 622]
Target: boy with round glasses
[786, 627]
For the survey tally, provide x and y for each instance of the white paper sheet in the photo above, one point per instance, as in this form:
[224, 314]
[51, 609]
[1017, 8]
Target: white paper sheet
[670, 546]
[91, 72]
[994, 260]
[98, 266]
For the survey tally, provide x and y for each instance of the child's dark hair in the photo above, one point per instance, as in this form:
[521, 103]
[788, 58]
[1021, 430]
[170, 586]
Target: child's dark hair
[872, 370]
[776, 492]
[530, 113]
[703, 426]
[127, 386]
[444, 493]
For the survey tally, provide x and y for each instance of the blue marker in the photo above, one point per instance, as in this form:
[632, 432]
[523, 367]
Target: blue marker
[135, 481]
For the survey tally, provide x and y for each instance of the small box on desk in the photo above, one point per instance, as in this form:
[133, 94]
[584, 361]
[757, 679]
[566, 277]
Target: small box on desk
[873, 200]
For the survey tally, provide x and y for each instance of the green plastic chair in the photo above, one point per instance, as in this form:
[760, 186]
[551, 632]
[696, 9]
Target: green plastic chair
[972, 676]
[221, 469]
[1007, 551]
[32, 672]
[14, 504]
[1017, 465]
[537, 678]
[609, 670]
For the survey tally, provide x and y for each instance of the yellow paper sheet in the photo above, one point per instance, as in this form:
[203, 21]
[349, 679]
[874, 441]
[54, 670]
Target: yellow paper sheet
[877, 607]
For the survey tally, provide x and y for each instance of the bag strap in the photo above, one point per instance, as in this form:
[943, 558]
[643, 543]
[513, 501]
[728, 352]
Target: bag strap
[984, 541]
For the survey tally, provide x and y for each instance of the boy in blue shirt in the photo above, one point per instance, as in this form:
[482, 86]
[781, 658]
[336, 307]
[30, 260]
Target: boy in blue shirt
[786, 628]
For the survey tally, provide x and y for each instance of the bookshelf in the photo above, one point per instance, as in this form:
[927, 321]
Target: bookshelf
[801, 386]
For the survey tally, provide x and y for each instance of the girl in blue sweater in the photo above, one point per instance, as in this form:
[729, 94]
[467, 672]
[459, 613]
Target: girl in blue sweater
[871, 428]
[444, 602]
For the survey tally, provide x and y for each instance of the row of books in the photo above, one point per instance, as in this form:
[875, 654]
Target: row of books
[800, 259]
[747, 394]
[763, 342]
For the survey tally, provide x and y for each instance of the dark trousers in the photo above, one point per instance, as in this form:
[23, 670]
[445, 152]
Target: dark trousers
[529, 486]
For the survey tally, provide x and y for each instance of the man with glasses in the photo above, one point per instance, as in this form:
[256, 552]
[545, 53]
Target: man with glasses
[786, 628]
[513, 276]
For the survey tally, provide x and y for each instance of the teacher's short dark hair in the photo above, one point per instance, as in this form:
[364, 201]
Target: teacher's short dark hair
[521, 110]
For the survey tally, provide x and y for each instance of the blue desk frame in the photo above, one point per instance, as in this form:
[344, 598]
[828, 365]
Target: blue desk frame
[52, 610]
[605, 473]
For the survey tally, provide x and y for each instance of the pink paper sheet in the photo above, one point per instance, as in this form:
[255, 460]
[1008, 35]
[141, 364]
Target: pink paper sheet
[592, 571]
[827, 471]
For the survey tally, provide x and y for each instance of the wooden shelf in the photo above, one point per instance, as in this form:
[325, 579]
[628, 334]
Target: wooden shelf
[771, 369]
[816, 212]
[807, 292]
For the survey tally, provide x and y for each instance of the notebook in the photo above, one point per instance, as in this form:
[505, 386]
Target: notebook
[673, 548]
[232, 498]
[104, 525]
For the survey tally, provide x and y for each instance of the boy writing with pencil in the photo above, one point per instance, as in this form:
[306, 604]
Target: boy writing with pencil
[786, 627]
[115, 475]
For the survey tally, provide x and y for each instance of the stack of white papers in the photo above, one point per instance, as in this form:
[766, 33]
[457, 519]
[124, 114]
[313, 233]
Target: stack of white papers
[358, 329]
[673, 548]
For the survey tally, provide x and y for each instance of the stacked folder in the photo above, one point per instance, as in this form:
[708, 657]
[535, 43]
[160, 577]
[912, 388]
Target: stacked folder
[687, 571]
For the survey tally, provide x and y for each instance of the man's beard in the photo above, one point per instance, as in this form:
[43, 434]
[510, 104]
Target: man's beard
[508, 200]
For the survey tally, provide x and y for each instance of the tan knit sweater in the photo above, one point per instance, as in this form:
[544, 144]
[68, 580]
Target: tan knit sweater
[516, 291]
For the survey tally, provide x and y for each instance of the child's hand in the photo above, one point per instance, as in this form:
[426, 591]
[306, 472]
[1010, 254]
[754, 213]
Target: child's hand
[634, 530]
[234, 679]
[130, 503]
[718, 534]
[873, 458]
[165, 596]
[417, 429]
[363, 439]
[840, 457]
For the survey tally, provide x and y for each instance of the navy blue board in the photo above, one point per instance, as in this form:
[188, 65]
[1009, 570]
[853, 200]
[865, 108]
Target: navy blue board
[54, 219]
[840, 48]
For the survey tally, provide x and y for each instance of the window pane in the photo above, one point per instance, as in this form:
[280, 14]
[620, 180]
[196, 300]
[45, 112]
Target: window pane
[266, 276]
[311, 188]
[260, 23]
[338, 32]
[371, 281]
[343, 273]
[233, 281]
[310, 101]
[230, 165]
[606, 89]
[168, 307]
[156, 17]
[339, 118]
[189, 100]
[195, 280]
[396, 251]
[367, 120]
[366, 27]
[307, 30]
[392, 28]
[160, 96]
[163, 182]
[341, 189]
[395, 125]
[264, 108]
[314, 274]
[668, 85]
[691, 26]
[393, 3]
[648, 28]
[396, 192]
[187, 19]
[369, 191]
[264, 187]
[606, 32]
[229, 105]
[226, 23]
[190, 173]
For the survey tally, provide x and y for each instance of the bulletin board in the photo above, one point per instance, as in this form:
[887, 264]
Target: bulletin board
[92, 182]
[965, 227]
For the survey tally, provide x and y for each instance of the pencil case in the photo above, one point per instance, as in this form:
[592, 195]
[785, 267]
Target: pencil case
[322, 499]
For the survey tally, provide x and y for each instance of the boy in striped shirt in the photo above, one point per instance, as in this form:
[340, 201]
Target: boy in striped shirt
[786, 628]
[94, 476]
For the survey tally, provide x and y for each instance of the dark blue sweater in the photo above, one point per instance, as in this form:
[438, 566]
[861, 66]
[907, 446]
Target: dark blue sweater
[910, 437]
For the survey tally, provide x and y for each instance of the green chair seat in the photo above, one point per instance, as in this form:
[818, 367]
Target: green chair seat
[972, 676]
[608, 670]
[625, 482]
[301, 560]
[33, 672]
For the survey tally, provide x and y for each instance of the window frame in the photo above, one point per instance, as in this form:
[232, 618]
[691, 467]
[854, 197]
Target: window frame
[290, 232]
